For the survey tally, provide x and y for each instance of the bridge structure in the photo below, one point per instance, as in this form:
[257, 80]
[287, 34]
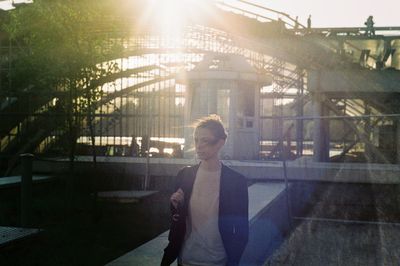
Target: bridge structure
[325, 92]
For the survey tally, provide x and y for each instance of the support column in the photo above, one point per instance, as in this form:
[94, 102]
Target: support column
[321, 130]
[395, 57]
[26, 189]
[398, 139]
[212, 99]
[228, 151]
[367, 129]
[300, 113]
[190, 112]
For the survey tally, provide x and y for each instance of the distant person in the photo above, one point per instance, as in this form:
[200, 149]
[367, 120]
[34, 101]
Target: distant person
[281, 26]
[296, 24]
[177, 151]
[309, 23]
[144, 146]
[134, 147]
[370, 26]
[209, 224]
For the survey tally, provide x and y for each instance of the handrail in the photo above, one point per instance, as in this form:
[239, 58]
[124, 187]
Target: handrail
[259, 15]
[246, 11]
[353, 32]
[272, 10]
[386, 28]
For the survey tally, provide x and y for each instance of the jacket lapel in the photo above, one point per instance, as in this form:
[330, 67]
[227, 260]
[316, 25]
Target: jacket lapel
[188, 184]
[222, 189]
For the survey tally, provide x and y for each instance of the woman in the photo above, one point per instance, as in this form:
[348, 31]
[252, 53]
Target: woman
[210, 206]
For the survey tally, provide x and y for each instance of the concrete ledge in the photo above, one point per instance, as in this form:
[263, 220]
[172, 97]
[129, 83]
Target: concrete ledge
[148, 254]
[269, 227]
[14, 181]
[125, 196]
[9, 235]
[262, 198]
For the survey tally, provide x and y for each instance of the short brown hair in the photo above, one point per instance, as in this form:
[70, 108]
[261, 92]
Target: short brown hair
[214, 124]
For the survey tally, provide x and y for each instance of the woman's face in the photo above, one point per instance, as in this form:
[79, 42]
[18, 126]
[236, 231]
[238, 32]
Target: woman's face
[206, 144]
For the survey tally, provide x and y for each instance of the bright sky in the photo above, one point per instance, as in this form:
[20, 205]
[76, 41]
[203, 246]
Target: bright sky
[324, 13]
[7, 4]
[338, 13]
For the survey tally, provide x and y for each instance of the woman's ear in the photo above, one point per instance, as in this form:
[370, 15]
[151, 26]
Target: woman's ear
[220, 143]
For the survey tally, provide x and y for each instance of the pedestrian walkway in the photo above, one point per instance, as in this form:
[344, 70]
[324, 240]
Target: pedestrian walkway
[262, 198]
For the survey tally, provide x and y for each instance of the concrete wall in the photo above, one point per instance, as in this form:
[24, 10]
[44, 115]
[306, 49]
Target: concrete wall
[348, 83]
[303, 169]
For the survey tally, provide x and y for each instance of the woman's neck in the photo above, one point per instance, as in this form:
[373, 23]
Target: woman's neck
[211, 165]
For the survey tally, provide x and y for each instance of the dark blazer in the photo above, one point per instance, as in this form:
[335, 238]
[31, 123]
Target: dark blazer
[233, 219]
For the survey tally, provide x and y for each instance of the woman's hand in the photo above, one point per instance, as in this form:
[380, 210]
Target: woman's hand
[177, 199]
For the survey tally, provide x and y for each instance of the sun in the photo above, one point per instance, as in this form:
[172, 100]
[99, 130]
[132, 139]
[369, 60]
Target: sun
[171, 16]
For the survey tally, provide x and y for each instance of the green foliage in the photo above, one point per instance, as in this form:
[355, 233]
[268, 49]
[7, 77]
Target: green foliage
[56, 40]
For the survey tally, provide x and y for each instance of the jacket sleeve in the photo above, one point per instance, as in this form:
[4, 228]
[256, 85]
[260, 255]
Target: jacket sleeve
[176, 232]
[234, 223]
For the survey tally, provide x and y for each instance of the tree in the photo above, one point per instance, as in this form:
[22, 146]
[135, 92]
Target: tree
[60, 49]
